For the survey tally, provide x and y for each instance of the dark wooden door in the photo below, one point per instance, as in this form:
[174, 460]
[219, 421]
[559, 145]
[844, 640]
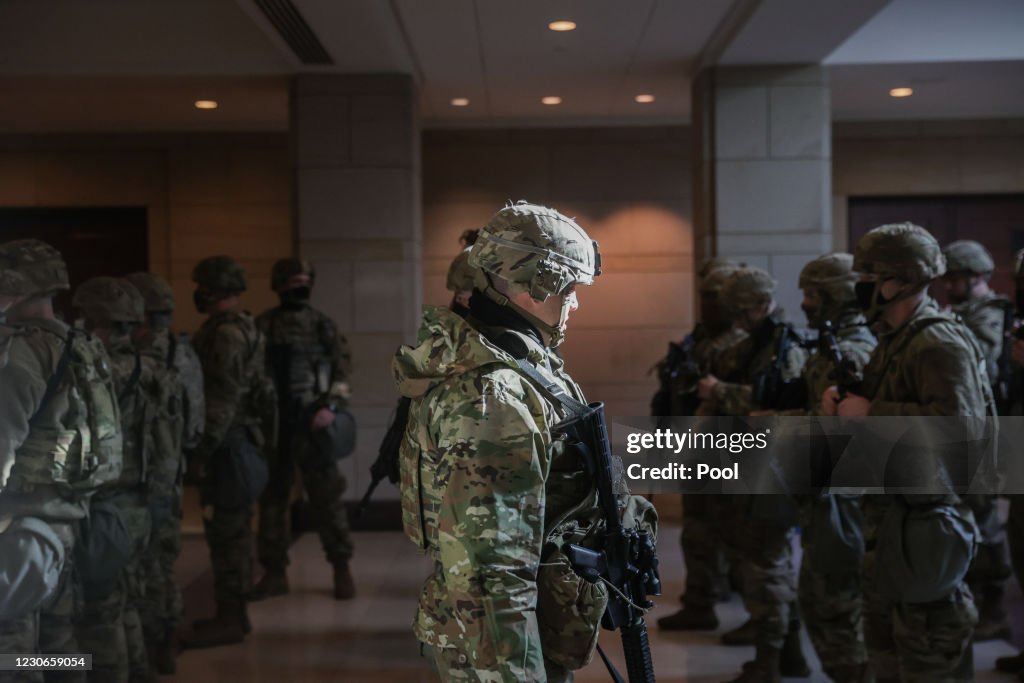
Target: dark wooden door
[997, 221]
[94, 241]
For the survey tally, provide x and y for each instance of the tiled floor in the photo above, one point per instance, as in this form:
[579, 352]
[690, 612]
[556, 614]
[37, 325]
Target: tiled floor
[307, 636]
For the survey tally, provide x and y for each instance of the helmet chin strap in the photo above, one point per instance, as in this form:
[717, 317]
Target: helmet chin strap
[553, 335]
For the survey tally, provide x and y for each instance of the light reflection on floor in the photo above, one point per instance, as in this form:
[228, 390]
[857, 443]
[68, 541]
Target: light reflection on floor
[307, 636]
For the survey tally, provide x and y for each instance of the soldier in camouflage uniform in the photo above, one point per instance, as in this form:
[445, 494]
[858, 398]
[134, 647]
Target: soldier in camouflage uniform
[231, 351]
[829, 587]
[926, 363]
[702, 536]
[110, 627]
[764, 525]
[969, 267]
[172, 360]
[56, 394]
[311, 364]
[460, 275]
[486, 486]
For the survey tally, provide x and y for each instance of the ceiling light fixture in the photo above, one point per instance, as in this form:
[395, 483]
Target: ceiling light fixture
[206, 104]
[552, 100]
[562, 25]
[460, 102]
[901, 92]
[643, 99]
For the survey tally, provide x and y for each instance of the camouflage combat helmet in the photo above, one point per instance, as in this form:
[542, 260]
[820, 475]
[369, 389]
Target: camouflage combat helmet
[537, 250]
[460, 274]
[287, 268]
[38, 263]
[155, 292]
[109, 300]
[716, 262]
[713, 281]
[13, 283]
[220, 274]
[745, 288]
[901, 250]
[968, 256]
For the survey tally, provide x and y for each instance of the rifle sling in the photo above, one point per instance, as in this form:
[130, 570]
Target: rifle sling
[56, 378]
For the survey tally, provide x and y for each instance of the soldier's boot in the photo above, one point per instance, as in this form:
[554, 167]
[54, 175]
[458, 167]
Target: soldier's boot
[992, 621]
[228, 627]
[1011, 664]
[344, 586]
[792, 663]
[763, 669]
[273, 583]
[741, 635]
[690, 618]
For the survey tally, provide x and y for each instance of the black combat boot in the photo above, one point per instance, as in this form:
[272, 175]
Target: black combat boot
[226, 628]
[792, 663]
[742, 635]
[344, 586]
[764, 668]
[992, 621]
[273, 583]
[1012, 664]
[690, 618]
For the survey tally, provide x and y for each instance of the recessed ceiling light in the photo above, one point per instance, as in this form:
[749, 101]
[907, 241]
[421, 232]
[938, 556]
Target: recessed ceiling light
[901, 92]
[552, 100]
[460, 102]
[206, 104]
[562, 25]
[644, 99]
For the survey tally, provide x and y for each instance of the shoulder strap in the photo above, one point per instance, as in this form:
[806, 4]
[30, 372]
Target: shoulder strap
[515, 348]
[53, 384]
[133, 380]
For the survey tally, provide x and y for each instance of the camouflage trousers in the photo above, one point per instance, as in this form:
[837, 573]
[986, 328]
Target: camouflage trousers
[450, 665]
[704, 540]
[991, 566]
[110, 627]
[832, 608]
[161, 607]
[229, 537]
[920, 642]
[49, 630]
[324, 485]
[769, 575]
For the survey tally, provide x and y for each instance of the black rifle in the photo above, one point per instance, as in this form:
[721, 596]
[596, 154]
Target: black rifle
[627, 561]
[386, 465]
[847, 380]
[771, 390]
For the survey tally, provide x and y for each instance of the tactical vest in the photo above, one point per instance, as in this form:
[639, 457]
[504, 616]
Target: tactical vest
[298, 353]
[83, 452]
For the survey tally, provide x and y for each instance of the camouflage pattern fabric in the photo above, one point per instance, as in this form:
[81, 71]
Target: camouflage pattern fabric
[29, 354]
[832, 604]
[231, 351]
[706, 546]
[479, 453]
[767, 569]
[985, 317]
[319, 365]
[920, 369]
[161, 606]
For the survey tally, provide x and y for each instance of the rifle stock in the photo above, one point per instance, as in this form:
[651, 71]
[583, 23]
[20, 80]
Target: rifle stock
[386, 465]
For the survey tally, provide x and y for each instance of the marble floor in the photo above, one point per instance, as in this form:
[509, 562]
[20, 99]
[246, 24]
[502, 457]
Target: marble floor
[307, 636]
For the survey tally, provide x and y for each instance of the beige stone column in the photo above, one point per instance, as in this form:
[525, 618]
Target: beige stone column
[762, 169]
[356, 172]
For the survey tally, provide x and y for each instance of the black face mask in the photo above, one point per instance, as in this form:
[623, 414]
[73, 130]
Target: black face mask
[203, 301]
[458, 309]
[813, 315]
[160, 321]
[865, 292]
[295, 297]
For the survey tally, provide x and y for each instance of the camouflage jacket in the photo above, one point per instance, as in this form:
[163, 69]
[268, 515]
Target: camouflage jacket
[985, 316]
[674, 393]
[306, 356]
[176, 355]
[32, 435]
[855, 343]
[230, 349]
[739, 364]
[930, 365]
[482, 477]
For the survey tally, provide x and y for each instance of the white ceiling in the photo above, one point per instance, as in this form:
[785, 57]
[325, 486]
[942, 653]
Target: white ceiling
[131, 65]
